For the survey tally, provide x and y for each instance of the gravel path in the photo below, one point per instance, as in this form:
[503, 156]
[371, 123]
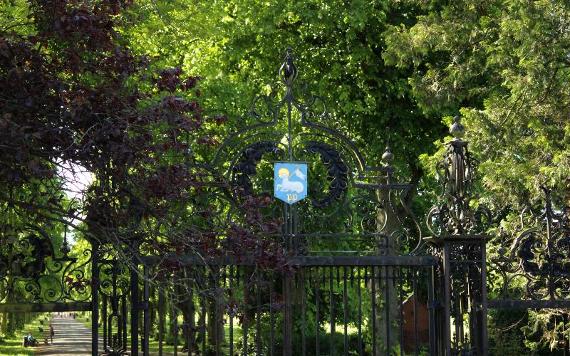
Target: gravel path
[71, 338]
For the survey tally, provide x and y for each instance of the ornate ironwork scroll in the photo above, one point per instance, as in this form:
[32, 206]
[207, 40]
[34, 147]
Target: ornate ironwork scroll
[453, 216]
[114, 287]
[344, 204]
[32, 272]
[534, 263]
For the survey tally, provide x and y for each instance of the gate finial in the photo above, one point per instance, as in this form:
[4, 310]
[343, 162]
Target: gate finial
[288, 70]
[457, 129]
[453, 215]
[387, 156]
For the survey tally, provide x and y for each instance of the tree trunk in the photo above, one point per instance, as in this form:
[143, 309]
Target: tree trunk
[187, 307]
[3, 323]
[215, 312]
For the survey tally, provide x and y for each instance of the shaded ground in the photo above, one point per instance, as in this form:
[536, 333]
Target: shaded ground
[71, 338]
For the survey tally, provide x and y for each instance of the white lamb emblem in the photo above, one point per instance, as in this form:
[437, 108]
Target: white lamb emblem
[287, 185]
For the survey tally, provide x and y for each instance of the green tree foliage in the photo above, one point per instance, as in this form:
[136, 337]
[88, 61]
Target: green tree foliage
[504, 64]
[236, 47]
[68, 96]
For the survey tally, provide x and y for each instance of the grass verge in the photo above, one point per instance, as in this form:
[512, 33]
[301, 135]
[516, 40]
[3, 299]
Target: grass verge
[13, 345]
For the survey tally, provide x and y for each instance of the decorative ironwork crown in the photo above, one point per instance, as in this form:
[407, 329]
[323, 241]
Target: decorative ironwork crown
[453, 215]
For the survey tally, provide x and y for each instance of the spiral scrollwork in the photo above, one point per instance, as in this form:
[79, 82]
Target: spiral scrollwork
[30, 271]
[113, 277]
[538, 257]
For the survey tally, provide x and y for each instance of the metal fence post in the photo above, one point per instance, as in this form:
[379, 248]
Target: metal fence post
[95, 299]
[134, 307]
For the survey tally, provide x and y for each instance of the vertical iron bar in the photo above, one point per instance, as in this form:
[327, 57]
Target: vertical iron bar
[345, 305]
[288, 317]
[258, 313]
[113, 302]
[119, 323]
[161, 311]
[271, 318]
[287, 280]
[359, 291]
[431, 310]
[134, 307]
[317, 316]
[104, 317]
[303, 312]
[224, 288]
[387, 307]
[124, 321]
[484, 348]
[331, 307]
[231, 311]
[289, 99]
[95, 299]
[415, 289]
[401, 272]
[190, 323]
[175, 328]
[245, 323]
[372, 280]
[205, 318]
[146, 316]
[217, 317]
[447, 303]
[566, 339]
[459, 323]
[109, 322]
[472, 307]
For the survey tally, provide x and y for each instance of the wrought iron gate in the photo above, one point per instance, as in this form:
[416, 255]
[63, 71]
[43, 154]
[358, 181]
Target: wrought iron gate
[353, 274]
[325, 305]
